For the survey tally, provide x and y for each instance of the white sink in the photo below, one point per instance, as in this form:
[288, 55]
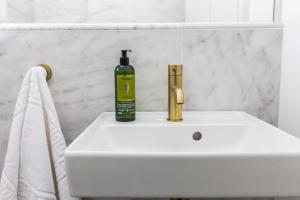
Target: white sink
[237, 156]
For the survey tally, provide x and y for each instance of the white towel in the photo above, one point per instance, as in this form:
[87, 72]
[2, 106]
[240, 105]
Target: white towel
[28, 172]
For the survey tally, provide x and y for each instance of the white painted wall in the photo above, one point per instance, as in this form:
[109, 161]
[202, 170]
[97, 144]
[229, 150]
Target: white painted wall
[229, 10]
[224, 10]
[197, 10]
[260, 10]
[289, 109]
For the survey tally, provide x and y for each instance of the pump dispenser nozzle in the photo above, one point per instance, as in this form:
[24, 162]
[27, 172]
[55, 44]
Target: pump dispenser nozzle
[124, 60]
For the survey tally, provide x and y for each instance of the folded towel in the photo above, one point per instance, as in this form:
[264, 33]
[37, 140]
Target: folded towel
[34, 163]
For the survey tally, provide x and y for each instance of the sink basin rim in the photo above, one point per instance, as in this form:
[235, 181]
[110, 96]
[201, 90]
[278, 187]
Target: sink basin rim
[72, 151]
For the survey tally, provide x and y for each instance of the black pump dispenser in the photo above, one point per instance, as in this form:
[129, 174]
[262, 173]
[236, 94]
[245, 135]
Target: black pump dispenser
[124, 60]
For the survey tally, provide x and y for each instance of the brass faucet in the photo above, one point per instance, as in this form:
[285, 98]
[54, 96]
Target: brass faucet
[176, 97]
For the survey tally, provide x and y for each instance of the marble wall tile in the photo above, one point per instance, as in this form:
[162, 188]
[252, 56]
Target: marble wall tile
[233, 70]
[46, 11]
[20, 11]
[63, 11]
[60, 11]
[136, 11]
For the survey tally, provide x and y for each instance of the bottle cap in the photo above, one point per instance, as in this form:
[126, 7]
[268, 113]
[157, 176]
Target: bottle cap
[124, 60]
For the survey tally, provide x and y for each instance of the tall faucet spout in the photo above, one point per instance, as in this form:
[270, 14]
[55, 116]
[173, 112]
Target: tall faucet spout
[176, 97]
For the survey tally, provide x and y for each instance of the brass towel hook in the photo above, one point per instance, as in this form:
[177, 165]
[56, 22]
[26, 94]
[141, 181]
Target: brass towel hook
[48, 70]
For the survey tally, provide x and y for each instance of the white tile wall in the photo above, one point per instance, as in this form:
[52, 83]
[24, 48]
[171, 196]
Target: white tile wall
[20, 11]
[60, 10]
[224, 10]
[197, 10]
[138, 10]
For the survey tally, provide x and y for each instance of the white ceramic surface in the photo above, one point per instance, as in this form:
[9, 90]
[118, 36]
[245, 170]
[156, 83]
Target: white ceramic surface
[238, 156]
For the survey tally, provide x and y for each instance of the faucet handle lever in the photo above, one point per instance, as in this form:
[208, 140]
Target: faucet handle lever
[179, 96]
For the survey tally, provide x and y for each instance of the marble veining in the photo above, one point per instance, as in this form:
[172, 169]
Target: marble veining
[224, 69]
[233, 75]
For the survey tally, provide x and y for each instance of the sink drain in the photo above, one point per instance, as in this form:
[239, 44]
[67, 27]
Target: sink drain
[197, 136]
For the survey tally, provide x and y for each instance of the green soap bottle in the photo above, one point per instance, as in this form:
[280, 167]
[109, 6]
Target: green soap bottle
[124, 90]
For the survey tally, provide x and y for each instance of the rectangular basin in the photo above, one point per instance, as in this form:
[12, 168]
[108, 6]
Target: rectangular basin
[234, 155]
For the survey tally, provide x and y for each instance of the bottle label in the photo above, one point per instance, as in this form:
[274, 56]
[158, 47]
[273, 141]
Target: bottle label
[125, 104]
[125, 109]
[125, 88]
